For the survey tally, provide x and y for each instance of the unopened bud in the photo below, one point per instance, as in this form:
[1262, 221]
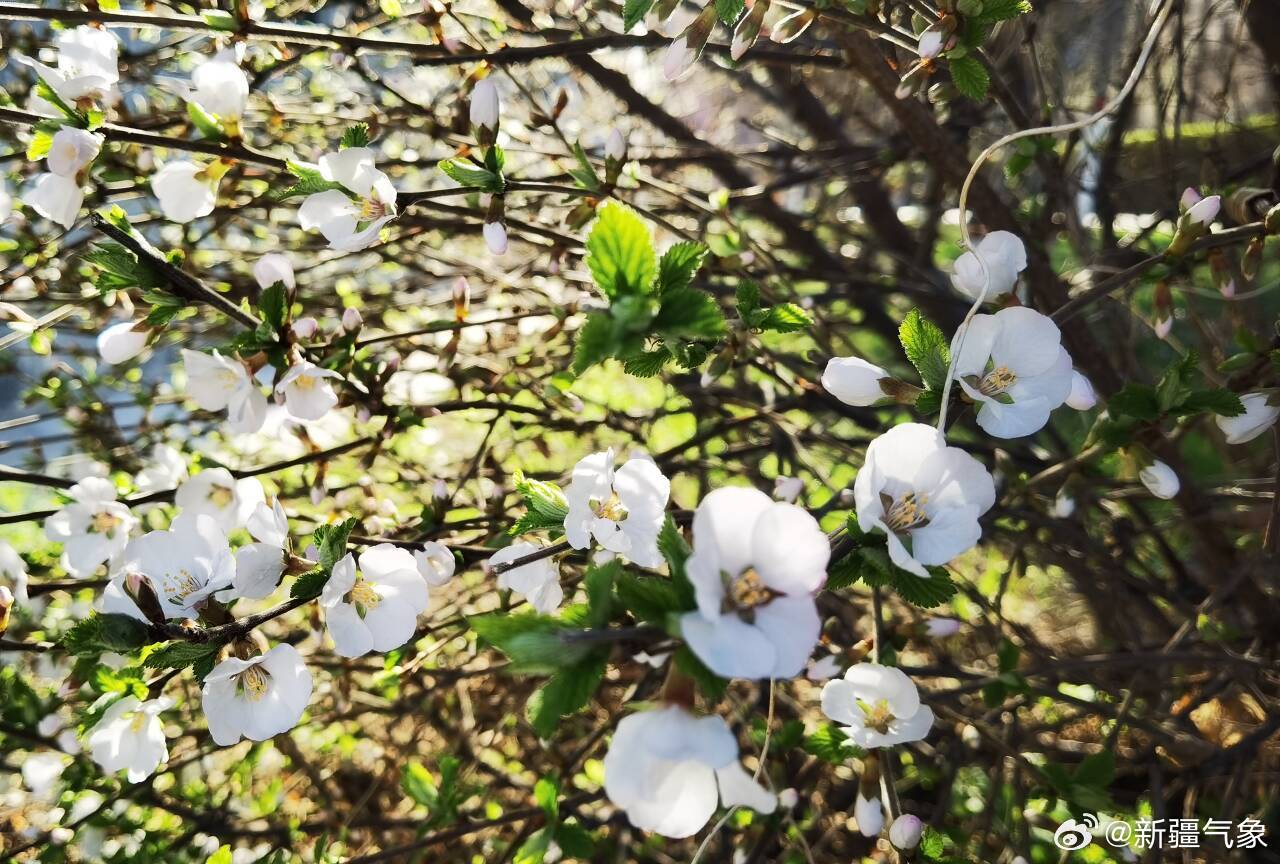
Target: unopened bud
[1271, 223]
[615, 146]
[139, 588]
[787, 488]
[485, 107]
[906, 831]
[1252, 259]
[792, 26]
[461, 298]
[495, 228]
[686, 48]
[305, 328]
[940, 628]
[1163, 322]
[440, 491]
[272, 268]
[351, 319]
[748, 29]
[930, 44]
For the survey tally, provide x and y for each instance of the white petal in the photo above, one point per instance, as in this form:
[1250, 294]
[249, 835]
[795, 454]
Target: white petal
[729, 646]
[56, 198]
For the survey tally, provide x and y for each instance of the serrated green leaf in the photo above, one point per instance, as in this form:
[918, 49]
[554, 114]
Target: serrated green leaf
[356, 135]
[831, 745]
[784, 318]
[1003, 10]
[729, 10]
[970, 77]
[1137, 401]
[471, 176]
[596, 342]
[679, 265]
[649, 598]
[418, 784]
[565, 693]
[620, 253]
[310, 181]
[633, 12]
[689, 314]
[273, 304]
[647, 364]
[179, 655]
[926, 347]
[534, 643]
[748, 297]
[1217, 400]
[585, 173]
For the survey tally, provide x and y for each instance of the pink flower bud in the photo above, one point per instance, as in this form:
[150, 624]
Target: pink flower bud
[305, 328]
[906, 831]
[351, 319]
[495, 237]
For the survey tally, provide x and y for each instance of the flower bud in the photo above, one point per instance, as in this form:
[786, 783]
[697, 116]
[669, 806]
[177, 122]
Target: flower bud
[1205, 210]
[1252, 259]
[1081, 397]
[788, 798]
[905, 832]
[123, 341]
[440, 491]
[854, 381]
[1261, 409]
[615, 146]
[1160, 480]
[1063, 505]
[787, 488]
[272, 268]
[351, 319]
[1271, 222]
[495, 237]
[485, 108]
[1163, 303]
[792, 26]
[1194, 223]
[305, 328]
[686, 48]
[930, 44]
[940, 628]
[461, 298]
[748, 29]
[870, 816]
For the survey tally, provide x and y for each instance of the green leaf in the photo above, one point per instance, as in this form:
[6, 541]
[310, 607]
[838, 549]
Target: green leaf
[46, 92]
[620, 253]
[689, 314]
[534, 849]
[585, 173]
[219, 20]
[748, 296]
[221, 856]
[1216, 401]
[546, 794]
[547, 507]
[830, 744]
[120, 270]
[596, 342]
[675, 550]
[356, 135]
[180, 655]
[729, 10]
[534, 643]
[647, 364]
[331, 541]
[875, 569]
[933, 843]
[310, 181]
[679, 264]
[784, 318]
[970, 77]
[565, 693]
[105, 632]
[1137, 401]
[42, 139]
[649, 598]
[273, 305]
[575, 841]
[1003, 10]
[633, 12]
[472, 176]
[926, 347]
[418, 784]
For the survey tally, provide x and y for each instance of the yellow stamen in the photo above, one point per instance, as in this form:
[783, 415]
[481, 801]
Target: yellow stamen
[104, 522]
[253, 682]
[907, 512]
[363, 596]
[749, 591]
[611, 509]
[997, 381]
[878, 715]
[182, 587]
[221, 496]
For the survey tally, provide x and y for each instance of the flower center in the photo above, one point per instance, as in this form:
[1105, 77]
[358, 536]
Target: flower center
[745, 594]
[228, 379]
[182, 586]
[305, 382]
[221, 496]
[906, 512]
[139, 720]
[372, 208]
[104, 522]
[363, 596]
[877, 714]
[997, 381]
[253, 682]
[613, 509]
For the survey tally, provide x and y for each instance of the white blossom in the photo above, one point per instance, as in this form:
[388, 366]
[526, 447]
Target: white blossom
[755, 567]
[72, 150]
[854, 381]
[350, 225]
[878, 706]
[216, 382]
[668, 770]
[373, 607]
[88, 69]
[1063, 505]
[1013, 365]
[538, 581]
[435, 563]
[485, 105]
[186, 565]
[214, 492]
[1160, 480]
[869, 814]
[1081, 397]
[308, 395]
[93, 528]
[259, 565]
[1260, 412]
[220, 86]
[130, 737]
[621, 509]
[256, 698]
[925, 496]
[13, 571]
[940, 628]
[272, 268]
[824, 668]
[186, 190]
[1005, 257]
[615, 146]
[41, 772]
[56, 198]
[122, 342]
[678, 59]
[787, 488]
[166, 470]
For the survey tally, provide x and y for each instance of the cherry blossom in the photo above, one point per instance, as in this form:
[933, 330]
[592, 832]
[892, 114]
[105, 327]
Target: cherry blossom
[122, 342]
[308, 395]
[878, 706]
[1081, 397]
[274, 268]
[13, 571]
[187, 190]
[93, 528]
[622, 509]
[755, 567]
[214, 492]
[220, 87]
[166, 470]
[216, 382]
[1005, 257]
[538, 581]
[854, 381]
[1261, 409]
[256, 698]
[374, 607]
[259, 565]
[130, 737]
[1013, 365]
[87, 71]
[185, 565]
[668, 769]
[1160, 480]
[350, 225]
[57, 195]
[924, 496]
[435, 563]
